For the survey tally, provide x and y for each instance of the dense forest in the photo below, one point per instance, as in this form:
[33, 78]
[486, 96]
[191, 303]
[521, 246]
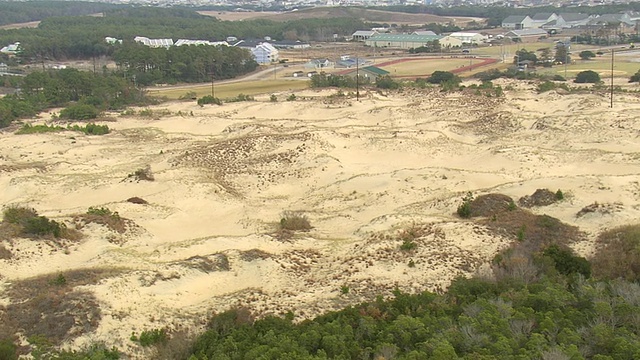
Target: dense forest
[24, 11]
[71, 37]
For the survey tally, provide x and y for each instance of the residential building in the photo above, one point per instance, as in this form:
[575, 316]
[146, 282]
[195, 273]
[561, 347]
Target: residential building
[289, 44]
[265, 53]
[517, 22]
[450, 42]
[572, 20]
[319, 64]
[622, 21]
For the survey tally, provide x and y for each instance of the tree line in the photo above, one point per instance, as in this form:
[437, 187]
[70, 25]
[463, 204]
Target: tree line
[19, 12]
[75, 37]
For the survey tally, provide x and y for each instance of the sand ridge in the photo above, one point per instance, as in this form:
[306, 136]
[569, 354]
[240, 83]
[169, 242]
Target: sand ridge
[364, 172]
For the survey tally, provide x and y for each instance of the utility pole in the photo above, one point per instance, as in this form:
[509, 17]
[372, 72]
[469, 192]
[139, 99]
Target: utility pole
[213, 89]
[612, 54]
[357, 79]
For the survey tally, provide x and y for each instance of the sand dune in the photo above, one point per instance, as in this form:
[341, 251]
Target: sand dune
[362, 172]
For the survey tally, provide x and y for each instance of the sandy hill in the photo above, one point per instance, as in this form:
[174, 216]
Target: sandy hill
[365, 174]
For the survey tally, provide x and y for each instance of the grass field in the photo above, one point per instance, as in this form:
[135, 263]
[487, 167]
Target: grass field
[601, 65]
[230, 90]
[425, 67]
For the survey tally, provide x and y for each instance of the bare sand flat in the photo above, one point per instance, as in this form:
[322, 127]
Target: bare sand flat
[363, 172]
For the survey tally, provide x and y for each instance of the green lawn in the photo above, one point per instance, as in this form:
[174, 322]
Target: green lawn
[601, 65]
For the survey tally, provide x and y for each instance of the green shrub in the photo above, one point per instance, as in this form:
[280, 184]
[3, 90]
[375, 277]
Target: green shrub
[292, 97]
[587, 77]
[586, 55]
[103, 211]
[42, 226]
[386, 82]
[294, 221]
[79, 112]
[566, 262]
[191, 95]
[59, 280]
[273, 98]
[464, 209]
[208, 99]
[8, 350]
[153, 337]
[439, 77]
[635, 77]
[91, 129]
[546, 86]
[408, 245]
[618, 254]
[344, 289]
[559, 195]
[18, 214]
[38, 129]
[558, 78]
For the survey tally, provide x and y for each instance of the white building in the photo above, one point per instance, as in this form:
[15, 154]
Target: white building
[112, 41]
[181, 42]
[154, 43]
[265, 53]
[469, 37]
[11, 49]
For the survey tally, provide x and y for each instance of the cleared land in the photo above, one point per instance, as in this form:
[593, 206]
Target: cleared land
[337, 12]
[230, 90]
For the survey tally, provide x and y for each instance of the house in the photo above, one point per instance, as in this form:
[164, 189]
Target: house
[289, 44]
[154, 43]
[319, 64]
[262, 51]
[540, 19]
[265, 53]
[362, 35]
[572, 20]
[517, 22]
[469, 37]
[183, 42]
[402, 41]
[526, 35]
[370, 73]
[11, 49]
[424, 32]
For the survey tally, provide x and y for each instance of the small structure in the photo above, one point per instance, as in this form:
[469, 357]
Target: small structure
[404, 41]
[469, 37]
[539, 19]
[288, 44]
[231, 39]
[362, 35]
[370, 73]
[319, 64]
[526, 35]
[112, 41]
[265, 53]
[572, 20]
[11, 49]
[450, 42]
[350, 63]
[517, 22]
[154, 43]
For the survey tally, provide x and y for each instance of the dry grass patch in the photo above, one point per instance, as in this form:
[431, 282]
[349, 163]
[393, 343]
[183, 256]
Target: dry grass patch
[618, 254]
[207, 264]
[143, 174]
[541, 197]
[5, 254]
[254, 254]
[24, 221]
[102, 216]
[137, 200]
[290, 222]
[599, 208]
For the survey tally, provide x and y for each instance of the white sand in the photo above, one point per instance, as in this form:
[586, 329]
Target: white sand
[359, 170]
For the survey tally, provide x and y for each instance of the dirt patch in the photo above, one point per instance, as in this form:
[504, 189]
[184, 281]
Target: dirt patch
[599, 208]
[254, 254]
[541, 197]
[137, 200]
[207, 264]
[52, 306]
[5, 253]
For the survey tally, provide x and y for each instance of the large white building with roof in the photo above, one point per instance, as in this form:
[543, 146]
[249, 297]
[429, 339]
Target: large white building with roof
[154, 43]
[265, 53]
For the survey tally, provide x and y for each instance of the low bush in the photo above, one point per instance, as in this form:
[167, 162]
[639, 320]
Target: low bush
[38, 129]
[440, 77]
[8, 350]
[273, 98]
[566, 263]
[464, 209]
[144, 174]
[137, 200]
[190, 95]
[31, 223]
[294, 221]
[152, 337]
[79, 112]
[587, 77]
[208, 99]
[241, 97]
[91, 129]
[292, 97]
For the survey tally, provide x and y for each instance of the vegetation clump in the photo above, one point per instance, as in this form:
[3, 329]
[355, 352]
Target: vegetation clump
[294, 221]
[79, 112]
[89, 129]
[208, 99]
[541, 197]
[137, 200]
[464, 209]
[151, 337]
[103, 216]
[618, 254]
[587, 76]
[143, 174]
[29, 223]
